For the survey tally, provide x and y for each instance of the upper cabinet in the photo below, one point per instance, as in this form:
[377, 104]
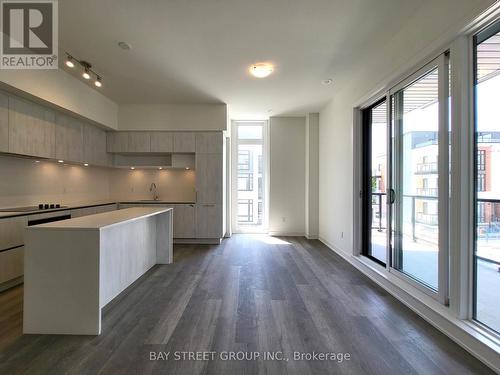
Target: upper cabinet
[31, 129]
[209, 142]
[4, 123]
[162, 142]
[117, 141]
[139, 142]
[94, 146]
[184, 142]
[69, 138]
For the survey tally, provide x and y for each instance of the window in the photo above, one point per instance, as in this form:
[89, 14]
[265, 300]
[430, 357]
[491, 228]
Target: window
[244, 160]
[245, 181]
[486, 308]
[245, 210]
[420, 235]
[375, 132]
[249, 176]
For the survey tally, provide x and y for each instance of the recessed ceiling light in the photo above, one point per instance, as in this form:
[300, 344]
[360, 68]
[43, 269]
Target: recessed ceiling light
[187, 168]
[86, 74]
[132, 167]
[261, 70]
[60, 161]
[98, 82]
[160, 168]
[124, 45]
[86, 164]
[69, 62]
[328, 81]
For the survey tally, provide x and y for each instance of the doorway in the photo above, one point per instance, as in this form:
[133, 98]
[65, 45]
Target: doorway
[249, 176]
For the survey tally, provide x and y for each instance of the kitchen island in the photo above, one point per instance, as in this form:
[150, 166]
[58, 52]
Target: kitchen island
[75, 267]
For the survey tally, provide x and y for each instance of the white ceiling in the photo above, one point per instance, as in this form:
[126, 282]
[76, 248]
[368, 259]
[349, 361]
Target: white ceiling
[188, 51]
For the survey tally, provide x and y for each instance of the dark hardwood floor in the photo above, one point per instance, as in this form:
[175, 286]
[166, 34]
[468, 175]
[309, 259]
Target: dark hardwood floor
[249, 294]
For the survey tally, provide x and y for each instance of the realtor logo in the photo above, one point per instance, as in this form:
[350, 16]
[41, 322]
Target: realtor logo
[29, 34]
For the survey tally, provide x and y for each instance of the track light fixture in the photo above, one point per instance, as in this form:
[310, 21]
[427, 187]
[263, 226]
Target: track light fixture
[86, 67]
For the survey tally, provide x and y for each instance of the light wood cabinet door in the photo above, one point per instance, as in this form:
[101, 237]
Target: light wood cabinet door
[208, 220]
[184, 220]
[4, 123]
[162, 142]
[209, 142]
[12, 232]
[117, 141]
[184, 142]
[11, 264]
[69, 138]
[209, 178]
[31, 129]
[139, 142]
[94, 146]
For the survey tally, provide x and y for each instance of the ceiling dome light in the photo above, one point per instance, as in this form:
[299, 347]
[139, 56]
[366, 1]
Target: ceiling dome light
[98, 82]
[261, 70]
[124, 45]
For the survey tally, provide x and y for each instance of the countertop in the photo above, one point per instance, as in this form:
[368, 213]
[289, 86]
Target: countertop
[75, 206]
[102, 220]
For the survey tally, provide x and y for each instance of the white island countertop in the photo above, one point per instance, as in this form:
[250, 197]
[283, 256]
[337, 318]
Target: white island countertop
[103, 220]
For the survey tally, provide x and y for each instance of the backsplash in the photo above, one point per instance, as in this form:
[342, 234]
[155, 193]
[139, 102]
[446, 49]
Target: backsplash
[26, 182]
[173, 185]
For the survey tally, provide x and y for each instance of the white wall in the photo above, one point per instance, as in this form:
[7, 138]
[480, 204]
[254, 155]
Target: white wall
[25, 183]
[312, 175]
[287, 175]
[433, 24]
[172, 117]
[61, 90]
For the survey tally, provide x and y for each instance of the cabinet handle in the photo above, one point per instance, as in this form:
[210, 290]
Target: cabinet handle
[209, 205]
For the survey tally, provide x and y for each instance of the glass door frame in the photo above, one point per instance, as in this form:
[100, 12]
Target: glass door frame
[235, 228]
[442, 64]
[366, 167]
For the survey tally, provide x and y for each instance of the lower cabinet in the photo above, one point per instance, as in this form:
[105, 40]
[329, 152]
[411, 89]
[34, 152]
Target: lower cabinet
[11, 264]
[79, 212]
[184, 217]
[11, 248]
[208, 220]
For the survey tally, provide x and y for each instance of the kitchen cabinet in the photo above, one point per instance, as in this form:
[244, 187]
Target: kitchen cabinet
[4, 123]
[162, 142]
[209, 142]
[12, 232]
[85, 211]
[184, 142]
[184, 220]
[208, 220]
[11, 264]
[11, 247]
[94, 146]
[184, 217]
[117, 141]
[139, 142]
[31, 129]
[69, 138]
[209, 178]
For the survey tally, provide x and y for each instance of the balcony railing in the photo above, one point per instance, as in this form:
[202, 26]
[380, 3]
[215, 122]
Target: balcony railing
[427, 168]
[427, 192]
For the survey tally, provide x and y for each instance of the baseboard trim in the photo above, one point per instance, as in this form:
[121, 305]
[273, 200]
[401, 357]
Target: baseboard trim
[461, 332]
[312, 236]
[197, 241]
[286, 234]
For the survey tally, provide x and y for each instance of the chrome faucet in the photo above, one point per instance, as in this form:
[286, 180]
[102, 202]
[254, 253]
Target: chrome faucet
[152, 189]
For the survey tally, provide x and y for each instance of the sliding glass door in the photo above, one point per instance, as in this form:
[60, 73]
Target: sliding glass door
[487, 178]
[420, 170]
[375, 179]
